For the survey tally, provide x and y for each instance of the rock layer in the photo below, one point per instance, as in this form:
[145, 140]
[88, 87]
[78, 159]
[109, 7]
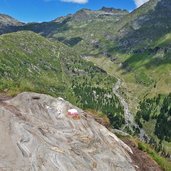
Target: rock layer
[37, 134]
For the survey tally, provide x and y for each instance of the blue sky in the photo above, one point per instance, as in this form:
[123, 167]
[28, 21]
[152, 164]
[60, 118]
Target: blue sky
[46, 10]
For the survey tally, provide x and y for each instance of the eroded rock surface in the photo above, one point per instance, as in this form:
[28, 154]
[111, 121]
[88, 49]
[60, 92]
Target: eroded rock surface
[36, 134]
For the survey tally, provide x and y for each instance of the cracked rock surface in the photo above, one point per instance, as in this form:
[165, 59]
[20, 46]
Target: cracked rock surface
[37, 134]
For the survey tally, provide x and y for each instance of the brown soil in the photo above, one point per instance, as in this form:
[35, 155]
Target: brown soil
[141, 160]
[4, 97]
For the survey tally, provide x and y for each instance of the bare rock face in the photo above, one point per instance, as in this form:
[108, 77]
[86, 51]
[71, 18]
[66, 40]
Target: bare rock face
[6, 20]
[37, 134]
[8, 24]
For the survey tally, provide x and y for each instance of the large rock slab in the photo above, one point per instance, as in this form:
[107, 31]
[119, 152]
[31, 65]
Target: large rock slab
[37, 134]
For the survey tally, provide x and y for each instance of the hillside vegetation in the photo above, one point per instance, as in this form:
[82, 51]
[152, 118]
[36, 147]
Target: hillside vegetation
[29, 62]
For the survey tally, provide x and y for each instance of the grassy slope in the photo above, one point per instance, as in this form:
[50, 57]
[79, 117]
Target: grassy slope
[147, 150]
[165, 164]
[29, 62]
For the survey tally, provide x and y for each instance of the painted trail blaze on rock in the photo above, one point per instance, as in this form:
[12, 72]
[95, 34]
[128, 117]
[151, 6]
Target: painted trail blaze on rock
[74, 113]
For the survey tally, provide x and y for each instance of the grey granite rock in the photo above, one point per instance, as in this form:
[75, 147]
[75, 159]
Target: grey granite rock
[37, 134]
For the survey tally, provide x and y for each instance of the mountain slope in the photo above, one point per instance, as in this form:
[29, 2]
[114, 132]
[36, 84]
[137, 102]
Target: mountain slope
[87, 15]
[27, 61]
[141, 45]
[7, 23]
[147, 27]
[111, 29]
[85, 27]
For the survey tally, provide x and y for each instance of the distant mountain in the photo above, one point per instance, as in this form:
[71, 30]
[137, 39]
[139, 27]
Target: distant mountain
[74, 24]
[87, 14]
[146, 31]
[6, 20]
[8, 23]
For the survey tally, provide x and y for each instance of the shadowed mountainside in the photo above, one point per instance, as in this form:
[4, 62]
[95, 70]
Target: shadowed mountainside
[8, 24]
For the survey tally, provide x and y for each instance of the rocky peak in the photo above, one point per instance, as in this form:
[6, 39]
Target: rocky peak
[89, 15]
[83, 14]
[8, 24]
[112, 10]
[6, 20]
[38, 134]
